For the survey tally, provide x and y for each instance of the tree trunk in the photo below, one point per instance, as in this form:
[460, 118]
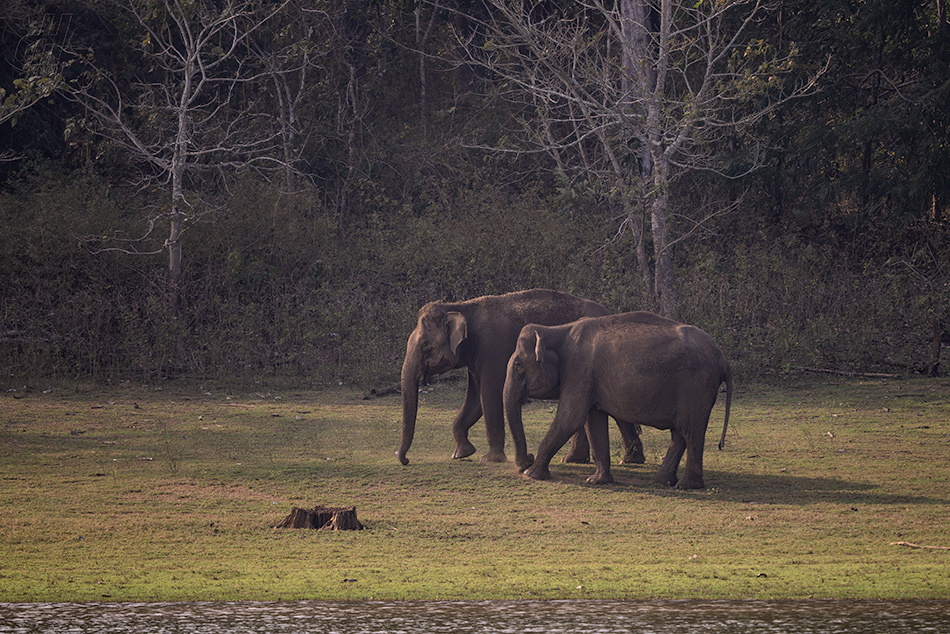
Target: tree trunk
[665, 286]
[174, 262]
[420, 48]
[179, 160]
[177, 222]
[637, 83]
[640, 77]
[349, 119]
[287, 99]
[633, 209]
[934, 366]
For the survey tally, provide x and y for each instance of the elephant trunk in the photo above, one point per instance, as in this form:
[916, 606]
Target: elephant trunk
[514, 397]
[411, 373]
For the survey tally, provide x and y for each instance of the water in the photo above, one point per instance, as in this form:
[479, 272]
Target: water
[482, 617]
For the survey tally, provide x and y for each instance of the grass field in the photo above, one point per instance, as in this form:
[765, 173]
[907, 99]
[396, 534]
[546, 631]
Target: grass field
[134, 493]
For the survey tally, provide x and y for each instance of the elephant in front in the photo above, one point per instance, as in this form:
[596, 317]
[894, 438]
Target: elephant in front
[637, 367]
[480, 334]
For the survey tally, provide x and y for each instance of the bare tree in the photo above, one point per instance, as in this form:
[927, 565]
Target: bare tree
[634, 93]
[192, 105]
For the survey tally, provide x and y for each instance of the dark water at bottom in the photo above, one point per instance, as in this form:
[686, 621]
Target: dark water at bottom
[483, 617]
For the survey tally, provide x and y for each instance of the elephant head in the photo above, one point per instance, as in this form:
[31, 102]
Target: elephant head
[433, 348]
[533, 371]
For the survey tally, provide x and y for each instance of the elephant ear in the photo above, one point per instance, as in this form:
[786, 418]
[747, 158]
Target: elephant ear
[458, 330]
[539, 349]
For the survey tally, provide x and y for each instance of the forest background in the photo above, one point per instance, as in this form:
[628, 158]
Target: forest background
[359, 159]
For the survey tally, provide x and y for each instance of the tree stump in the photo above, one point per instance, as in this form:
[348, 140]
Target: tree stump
[323, 517]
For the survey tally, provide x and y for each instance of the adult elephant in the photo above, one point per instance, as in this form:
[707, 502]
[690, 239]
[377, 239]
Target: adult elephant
[637, 367]
[480, 334]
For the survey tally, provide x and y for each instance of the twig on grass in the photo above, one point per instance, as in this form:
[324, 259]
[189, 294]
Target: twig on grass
[867, 375]
[909, 545]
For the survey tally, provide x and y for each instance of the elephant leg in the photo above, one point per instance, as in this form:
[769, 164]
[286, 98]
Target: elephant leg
[567, 421]
[693, 476]
[632, 445]
[579, 451]
[467, 416]
[600, 446]
[671, 462]
[493, 406]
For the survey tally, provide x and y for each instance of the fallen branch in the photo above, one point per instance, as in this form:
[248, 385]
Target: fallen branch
[396, 388]
[867, 375]
[909, 545]
[382, 391]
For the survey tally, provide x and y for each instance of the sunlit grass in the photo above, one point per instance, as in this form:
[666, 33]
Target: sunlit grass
[134, 494]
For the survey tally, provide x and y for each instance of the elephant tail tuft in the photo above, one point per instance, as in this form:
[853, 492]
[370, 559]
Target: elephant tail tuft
[728, 379]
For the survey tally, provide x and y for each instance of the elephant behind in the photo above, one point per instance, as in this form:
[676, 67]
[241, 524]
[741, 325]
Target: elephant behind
[638, 367]
[479, 334]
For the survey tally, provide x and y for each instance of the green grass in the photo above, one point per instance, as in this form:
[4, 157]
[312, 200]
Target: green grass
[134, 494]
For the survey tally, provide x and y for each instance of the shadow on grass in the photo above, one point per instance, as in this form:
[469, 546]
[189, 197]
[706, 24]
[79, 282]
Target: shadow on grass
[748, 488]
[792, 489]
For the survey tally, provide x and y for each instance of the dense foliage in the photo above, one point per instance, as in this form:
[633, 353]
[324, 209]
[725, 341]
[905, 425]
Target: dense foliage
[832, 255]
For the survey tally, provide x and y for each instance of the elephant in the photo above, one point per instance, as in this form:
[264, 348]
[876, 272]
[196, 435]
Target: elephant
[637, 367]
[480, 334]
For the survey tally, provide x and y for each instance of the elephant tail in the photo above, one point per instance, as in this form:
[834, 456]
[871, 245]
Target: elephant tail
[725, 424]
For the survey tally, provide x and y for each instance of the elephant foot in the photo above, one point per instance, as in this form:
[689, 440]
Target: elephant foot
[524, 463]
[577, 458]
[538, 473]
[635, 457]
[463, 450]
[495, 455]
[666, 479]
[691, 483]
[600, 478]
